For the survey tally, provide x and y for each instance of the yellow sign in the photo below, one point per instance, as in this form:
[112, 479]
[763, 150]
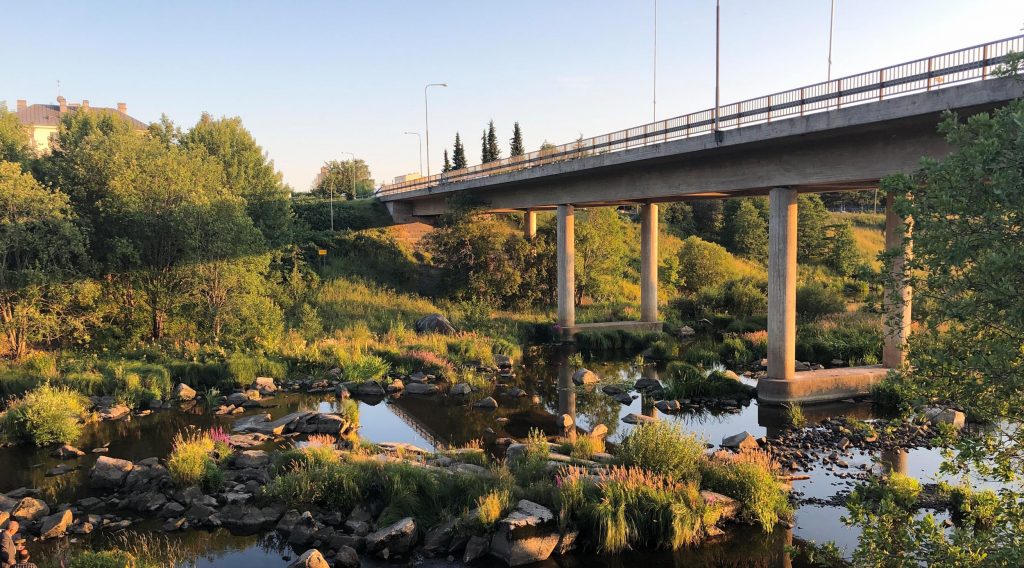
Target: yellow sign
[322, 252]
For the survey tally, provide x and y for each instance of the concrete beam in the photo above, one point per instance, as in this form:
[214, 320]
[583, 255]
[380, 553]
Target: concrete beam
[898, 294]
[529, 224]
[566, 267]
[649, 262]
[782, 219]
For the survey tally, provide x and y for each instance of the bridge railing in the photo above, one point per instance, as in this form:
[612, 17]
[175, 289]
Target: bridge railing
[970, 64]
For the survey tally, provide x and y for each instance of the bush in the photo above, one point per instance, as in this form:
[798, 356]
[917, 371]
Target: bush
[733, 351]
[46, 415]
[815, 299]
[367, 368]
[103, 559]
[855, 338]
[702, 263]
[243, 368]
[855, 290]
[750, 478]
[978, 508]
[664, 449]
[490, 507]
[899, 489]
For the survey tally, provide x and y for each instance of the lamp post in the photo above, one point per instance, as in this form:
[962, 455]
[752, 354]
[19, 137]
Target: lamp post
[421, 150]
[426, 120]
[831, 24]
[718, 18]
[654, 86]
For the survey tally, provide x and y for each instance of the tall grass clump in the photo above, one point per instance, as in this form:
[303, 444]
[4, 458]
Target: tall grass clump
[192, 460]
[489, 507]
[45, 415]
[632, 507]
[103, 559]
[683, 380]
[750, 478]
[367, 368]
[795, 415]
[664, 449]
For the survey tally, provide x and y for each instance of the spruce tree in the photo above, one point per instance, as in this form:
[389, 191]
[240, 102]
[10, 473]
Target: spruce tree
[447, 167]
[493, 151]
[516, 146]
[459, 154]
[485, 150]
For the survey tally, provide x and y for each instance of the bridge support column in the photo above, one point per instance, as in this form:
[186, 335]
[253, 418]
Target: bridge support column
[782, 227]
[897, 295]
[566, 267]
[649, 262]
[529, 224]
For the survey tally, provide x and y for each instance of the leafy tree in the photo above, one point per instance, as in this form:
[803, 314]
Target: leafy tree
[459, 155]
[166, 131]
[709, 219]
[516, 147]
[746, 231]
[703, 263]
[248, 173]
[813, 219]
[447, 167]
[601, 253]
[347, 178]
[40, 245]
[843, 256]
[678, 218]
[15, 143]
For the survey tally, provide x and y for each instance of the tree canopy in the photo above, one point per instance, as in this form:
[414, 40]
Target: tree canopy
[348, 178]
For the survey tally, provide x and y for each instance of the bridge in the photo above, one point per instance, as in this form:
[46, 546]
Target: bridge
[840, 135]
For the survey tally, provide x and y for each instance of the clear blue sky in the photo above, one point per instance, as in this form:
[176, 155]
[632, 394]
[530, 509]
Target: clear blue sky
[313, 79]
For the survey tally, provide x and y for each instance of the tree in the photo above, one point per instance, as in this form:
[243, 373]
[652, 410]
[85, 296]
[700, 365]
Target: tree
[812, 229]
[458, 155]
[703, 263]
[601, 251]
[516, 147]
[15, 142]
[447, 167]
[40, 246]
[348, 178]
[248, 172]
[746, 231]
[490, 151]
[843, 256]
[708, 219]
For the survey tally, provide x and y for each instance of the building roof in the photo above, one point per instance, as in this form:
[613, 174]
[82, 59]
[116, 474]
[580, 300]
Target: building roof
[49, 115]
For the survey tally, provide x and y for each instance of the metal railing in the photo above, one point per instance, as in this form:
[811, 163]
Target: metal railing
[970, 64]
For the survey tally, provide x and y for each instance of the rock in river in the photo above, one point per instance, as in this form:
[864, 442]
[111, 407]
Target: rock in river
[109, 473]
[396, 539]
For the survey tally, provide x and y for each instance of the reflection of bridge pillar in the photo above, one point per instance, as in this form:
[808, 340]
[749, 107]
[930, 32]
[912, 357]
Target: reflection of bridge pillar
[649, 262]
[897, 296]
[566, 392]
[894, 461]
[782, 283]
[646, 402]
[566, 267]
[529, 224]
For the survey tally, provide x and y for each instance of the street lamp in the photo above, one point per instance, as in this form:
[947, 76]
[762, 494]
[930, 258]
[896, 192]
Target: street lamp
[718, 19]
[426, 120]
[421, 150]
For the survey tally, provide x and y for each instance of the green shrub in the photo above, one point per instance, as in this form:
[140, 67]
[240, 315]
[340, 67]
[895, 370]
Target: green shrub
[703, 353]
[815, 299]
[103, 559]
[899, 489]
[750, 478]
[367, 368]
[855, 290]
[45, 415]
[490, 507]
[661, 350]
[191, 458]
[583, 448]
[664, 449]
[733, 350]
[701, 262]
[795, 415]
[978, 508]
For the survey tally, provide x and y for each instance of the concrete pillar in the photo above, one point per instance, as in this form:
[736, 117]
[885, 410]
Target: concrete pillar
[897, 296]
[649, 262]
[566, 267]
[782, 283]
[529, 224]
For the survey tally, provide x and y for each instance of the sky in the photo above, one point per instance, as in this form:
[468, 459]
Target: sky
[315, 80]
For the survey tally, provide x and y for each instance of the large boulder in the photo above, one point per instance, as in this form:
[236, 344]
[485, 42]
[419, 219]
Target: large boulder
[529, 534]
[741, 442]
[265, 385]
[422, 388]
[954, 418]
[248, 519]
[435, 323]
[183, 392]
[585, 377]
[346, 557]
[309, 559]
[370, 388]
[7, 504]
[30, 509]
[56, 525]
[461, 389]
[392, 540]
[487, 403]
[109, 473]
[251, 459]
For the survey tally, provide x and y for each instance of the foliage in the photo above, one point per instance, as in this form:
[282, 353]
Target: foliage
[459, 154]
[601, 252]
[489, 145]
[490, 507]
[664, 449]
[191, 461]
[843, 256]
[702, 263]
[812, 243]
[366, 368]
[795, 415]
[816, 299]
[315, 213]
[15, 142]
[619, 340]
[45, 415]
[516, 147]
[104, 559]
[855, 338]
[746, 231]
[683, 380]
[749, 477]
[349, 179]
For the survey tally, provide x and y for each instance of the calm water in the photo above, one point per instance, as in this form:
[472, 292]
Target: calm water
[433, 422]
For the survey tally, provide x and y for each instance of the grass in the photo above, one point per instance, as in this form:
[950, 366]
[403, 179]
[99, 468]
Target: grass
[683, 380]
[750, 478]
[898, 489]
[367, 368]
[664, 449]
[46, 415]
[192, 460]
[795, 415]
[855, 338]
[489, 507]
